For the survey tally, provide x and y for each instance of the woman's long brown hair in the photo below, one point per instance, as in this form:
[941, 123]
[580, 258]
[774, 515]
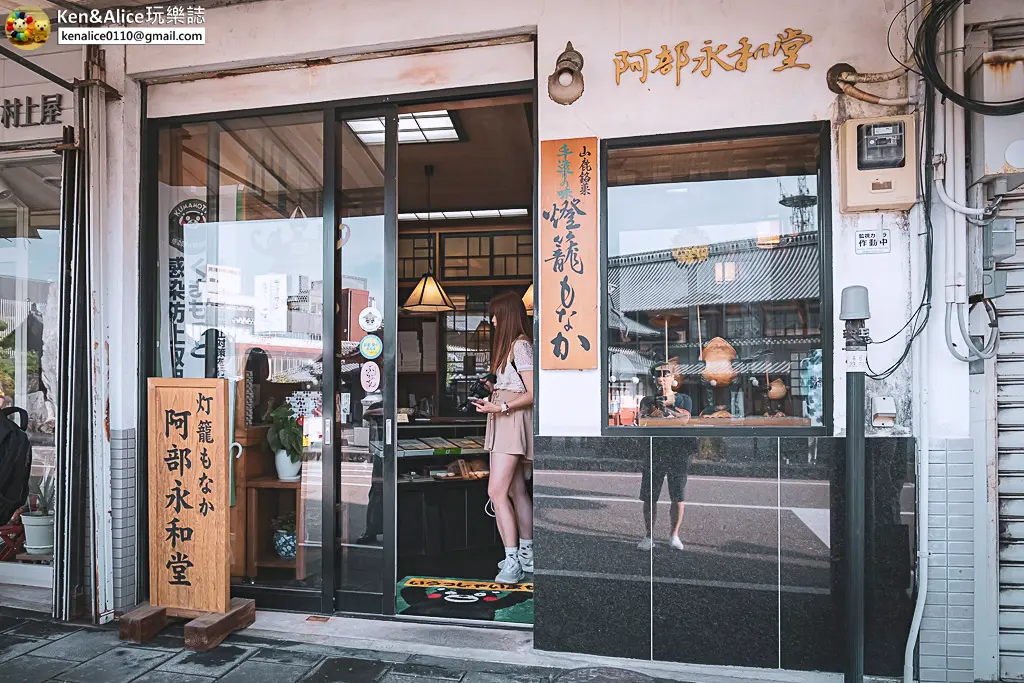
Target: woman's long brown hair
[512, 324]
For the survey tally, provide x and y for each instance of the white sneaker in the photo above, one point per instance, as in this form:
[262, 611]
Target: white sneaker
[676, 543]
[525, 562]
[511, 572]
[645, 544]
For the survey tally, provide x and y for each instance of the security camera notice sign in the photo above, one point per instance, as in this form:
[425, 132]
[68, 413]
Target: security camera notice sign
[873, 241]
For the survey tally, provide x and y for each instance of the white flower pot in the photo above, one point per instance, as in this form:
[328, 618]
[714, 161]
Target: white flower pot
[38, 533]
[286, 469]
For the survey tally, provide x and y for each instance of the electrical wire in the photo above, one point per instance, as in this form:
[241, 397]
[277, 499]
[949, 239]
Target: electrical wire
[925, 51]
[918, 320]
[906, 35]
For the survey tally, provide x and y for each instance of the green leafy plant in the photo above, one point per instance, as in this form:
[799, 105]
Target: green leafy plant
[285, 432]
[285, 523]
[42, 491]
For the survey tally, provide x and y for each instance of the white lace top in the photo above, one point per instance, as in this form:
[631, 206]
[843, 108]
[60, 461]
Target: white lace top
[508, 378]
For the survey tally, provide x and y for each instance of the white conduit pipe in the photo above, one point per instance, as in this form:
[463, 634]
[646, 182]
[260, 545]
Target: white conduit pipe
[944, 122]
[959, 168]
[989, 350]
[924, 443]
[921, 419]
[953, 205]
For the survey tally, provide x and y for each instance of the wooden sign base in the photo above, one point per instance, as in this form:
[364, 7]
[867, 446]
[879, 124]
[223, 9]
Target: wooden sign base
[204, 632]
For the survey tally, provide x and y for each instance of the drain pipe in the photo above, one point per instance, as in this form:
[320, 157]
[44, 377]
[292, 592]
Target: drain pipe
[922, 407]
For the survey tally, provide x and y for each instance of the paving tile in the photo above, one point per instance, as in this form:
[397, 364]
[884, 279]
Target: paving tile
[347, 670]
[291, 657]
[51, 630]
[167, 642]
[264, 672]
[7, 622]
[168, 677]
[508, 677]
[14, 646]
[120, 665]
[524, 673]
[345, 652]
[214, 663]
[521, 675]
[29, 669]
[397, 678]
[427, 671]
[81, 646]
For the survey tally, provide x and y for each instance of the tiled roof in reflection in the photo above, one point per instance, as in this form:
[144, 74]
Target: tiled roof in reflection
[656, 281]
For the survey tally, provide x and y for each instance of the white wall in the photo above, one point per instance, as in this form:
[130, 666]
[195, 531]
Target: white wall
[854, 32]
[18, 82]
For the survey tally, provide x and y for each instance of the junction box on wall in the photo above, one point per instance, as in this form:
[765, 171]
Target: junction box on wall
[878, 164]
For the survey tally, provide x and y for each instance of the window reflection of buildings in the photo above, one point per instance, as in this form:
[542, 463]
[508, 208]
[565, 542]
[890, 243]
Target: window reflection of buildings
[764, 301]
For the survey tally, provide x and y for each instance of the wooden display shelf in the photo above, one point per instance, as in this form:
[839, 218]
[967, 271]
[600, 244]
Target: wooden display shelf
[267, 497]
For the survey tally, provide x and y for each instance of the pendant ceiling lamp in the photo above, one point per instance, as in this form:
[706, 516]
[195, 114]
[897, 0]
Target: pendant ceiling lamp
[429, 296]
[528, 300]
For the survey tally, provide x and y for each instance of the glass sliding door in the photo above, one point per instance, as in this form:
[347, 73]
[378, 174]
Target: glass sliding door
[364, 347]
[241, 292]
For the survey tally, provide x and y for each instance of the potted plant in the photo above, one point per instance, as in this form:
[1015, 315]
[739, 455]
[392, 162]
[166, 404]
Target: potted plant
[285, 439]
[284, 535]
[38, 519]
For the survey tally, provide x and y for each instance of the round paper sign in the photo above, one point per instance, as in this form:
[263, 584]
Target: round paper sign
[370, 319]
[369, 377]
[371, 346]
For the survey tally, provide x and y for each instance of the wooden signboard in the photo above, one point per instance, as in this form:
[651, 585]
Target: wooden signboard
[569, 270]
[189, 562]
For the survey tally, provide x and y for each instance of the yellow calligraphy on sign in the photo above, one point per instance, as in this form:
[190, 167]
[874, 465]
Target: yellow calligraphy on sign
[712, 57]
[690, 255]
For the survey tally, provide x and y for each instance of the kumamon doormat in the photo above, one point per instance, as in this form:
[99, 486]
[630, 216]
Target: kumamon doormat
[424, 596]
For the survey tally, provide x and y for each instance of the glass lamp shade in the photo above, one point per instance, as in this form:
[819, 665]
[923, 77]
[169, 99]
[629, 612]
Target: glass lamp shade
[528, 300]
[428, 297]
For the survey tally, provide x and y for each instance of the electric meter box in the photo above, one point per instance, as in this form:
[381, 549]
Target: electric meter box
[877, 164]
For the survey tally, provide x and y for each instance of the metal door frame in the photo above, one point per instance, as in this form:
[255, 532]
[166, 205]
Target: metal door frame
[334, 599]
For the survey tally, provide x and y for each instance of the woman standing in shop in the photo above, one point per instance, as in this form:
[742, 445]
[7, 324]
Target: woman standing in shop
[509, 436]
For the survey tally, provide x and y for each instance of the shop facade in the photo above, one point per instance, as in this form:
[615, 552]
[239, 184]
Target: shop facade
[36, 112]
[270, 170]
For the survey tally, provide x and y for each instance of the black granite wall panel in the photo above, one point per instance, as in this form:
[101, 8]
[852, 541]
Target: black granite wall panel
[715, 598]
[593, 587]
[759, 579]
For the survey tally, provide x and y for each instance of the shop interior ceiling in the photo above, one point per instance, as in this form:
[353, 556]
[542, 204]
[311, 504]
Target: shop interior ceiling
[489, 167]
[34, 184]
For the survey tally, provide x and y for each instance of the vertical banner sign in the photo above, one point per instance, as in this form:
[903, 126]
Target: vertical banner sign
[183, 275]
[188, 492]
[568, 254]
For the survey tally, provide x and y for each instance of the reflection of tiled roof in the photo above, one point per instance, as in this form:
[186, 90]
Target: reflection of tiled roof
[617, 321]
[655, 281]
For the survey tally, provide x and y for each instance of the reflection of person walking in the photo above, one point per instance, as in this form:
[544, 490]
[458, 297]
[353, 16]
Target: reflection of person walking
[374, 505]
[509, 435]
[674, 466]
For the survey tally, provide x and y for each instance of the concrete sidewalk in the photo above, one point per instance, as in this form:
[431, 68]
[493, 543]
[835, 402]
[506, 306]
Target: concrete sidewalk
[285, 647]
[35, 649]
